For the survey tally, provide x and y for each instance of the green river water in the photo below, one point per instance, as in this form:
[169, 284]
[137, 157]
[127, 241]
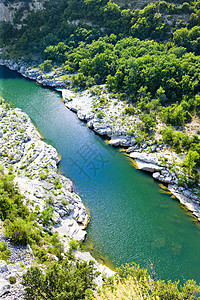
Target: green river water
[132, 217]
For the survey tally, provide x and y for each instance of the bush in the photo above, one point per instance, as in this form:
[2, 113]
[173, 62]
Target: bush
[11, 202]
[43, 176]
[46, 66]
[60, 281]
[46, 216]
[131, 282]
[17, 231]
[100, 114]
[74, 245]
[129, 110]
[21, 232]
[4, 251]
[12, 279]
[57, 183]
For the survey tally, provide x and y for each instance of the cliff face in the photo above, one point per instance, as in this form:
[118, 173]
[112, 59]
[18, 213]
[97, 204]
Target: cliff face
[10, 9]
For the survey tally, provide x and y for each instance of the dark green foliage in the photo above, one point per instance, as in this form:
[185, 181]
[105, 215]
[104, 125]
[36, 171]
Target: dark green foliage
[129, 110]
[190, 39]
[21, 232]
[20, 226]
[67, 280]
[46, 66]
[46, 216]
[149, 23]
[12, 279]
[140, 70]
[4, 251]
[56, 53]
[11, 202]
[54, 23]
[179, 140]
[176, 114]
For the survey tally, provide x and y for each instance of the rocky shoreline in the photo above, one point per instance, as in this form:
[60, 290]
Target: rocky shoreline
[34, 164]
[114, 125]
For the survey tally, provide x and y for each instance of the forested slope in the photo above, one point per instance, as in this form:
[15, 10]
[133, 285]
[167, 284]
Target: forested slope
[147, 56]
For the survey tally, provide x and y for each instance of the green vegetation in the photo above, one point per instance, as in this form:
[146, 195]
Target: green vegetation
[21, 225]
[12, 279]
[46, 66]
[67, 280]
[4, 251]
[131, 282]
[67, 23]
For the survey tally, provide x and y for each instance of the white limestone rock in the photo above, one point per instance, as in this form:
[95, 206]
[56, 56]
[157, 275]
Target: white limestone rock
[4, 286]
[81, 115]
[70, 228]
[3, 267]
[148, 167]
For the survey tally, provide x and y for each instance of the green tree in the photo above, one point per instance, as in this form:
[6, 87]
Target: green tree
[190, 161]
[46, 66]
[66, 281]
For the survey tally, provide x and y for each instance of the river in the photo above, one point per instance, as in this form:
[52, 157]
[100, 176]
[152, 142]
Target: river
[132, 217]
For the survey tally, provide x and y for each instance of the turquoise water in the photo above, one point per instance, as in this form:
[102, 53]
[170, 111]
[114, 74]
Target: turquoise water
[132, 219]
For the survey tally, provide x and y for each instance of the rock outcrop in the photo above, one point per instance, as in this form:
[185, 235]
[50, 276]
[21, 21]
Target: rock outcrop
[35, 165]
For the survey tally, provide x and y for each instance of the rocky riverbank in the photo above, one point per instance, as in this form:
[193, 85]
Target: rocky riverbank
[106, 117]
[34, 164]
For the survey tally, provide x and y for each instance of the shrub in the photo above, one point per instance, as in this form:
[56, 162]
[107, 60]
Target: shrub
[4, 251]
[17, 231]
[12, 279]
[60, 281]
[46, 216]
[21, 232]
[131, 282]
[100, 114]
[46, 66]
[43, 176]
[129, 110]
[57, 184]
[74, 245]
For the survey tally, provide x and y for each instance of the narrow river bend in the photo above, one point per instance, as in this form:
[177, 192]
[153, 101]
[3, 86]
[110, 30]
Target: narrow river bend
[132, 218]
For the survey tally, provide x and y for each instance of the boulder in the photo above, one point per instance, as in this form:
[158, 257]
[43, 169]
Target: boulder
[67, 95]
[102, 129]
[156, 175]
[3, 267]
[130, 149]
[147, 158]
[122, 140]
[89, 116]
[70, 228]
[148, 167]
[81, 115]
[163, 177]
[4, 286]
[115, 142]
[74, 108]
